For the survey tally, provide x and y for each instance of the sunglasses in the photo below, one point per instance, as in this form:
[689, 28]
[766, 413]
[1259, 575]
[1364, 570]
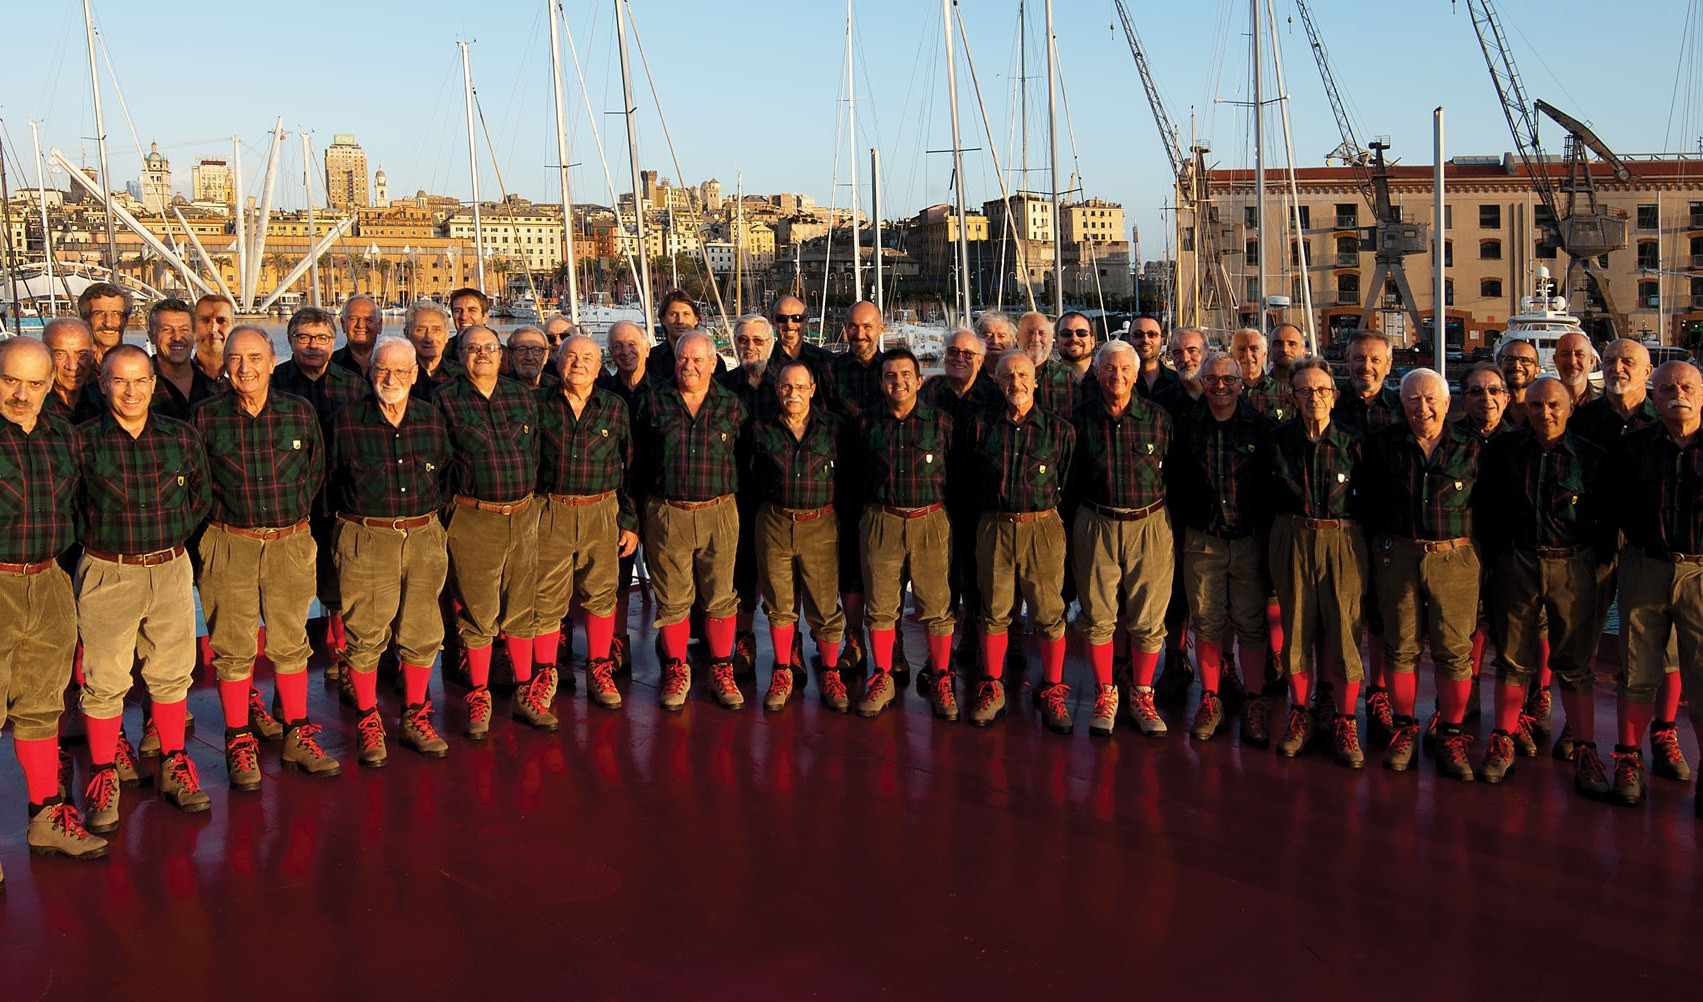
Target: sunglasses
[789, 318]
[1077, 332]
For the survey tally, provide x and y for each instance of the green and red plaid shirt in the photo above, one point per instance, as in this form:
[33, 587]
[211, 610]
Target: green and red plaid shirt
[1655, 490]
[335, 389]
[381, 470]
[587, 454]
[1419, 496]
[1368, 417]
[1600, 424]
[1056, 387]
[265, 469]
[1120, 461]
[495, 438]
[38, 490]
[173, 402]
[1322, 479]
[145, 493]
[854, 387]
[678, 457]
[1019, 466]
[427, 384]
[1269, 397]
[88, 404]
[903, 460]
[937, 392]
[760, 401]
[796, 472]
[1531, 496]
[1217, 472]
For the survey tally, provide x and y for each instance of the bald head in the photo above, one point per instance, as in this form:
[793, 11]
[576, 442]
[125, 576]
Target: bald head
[1575, 357]
[1625, 369]
[26, 374]
[73, 347]
[1425, 401]
[1678, 393]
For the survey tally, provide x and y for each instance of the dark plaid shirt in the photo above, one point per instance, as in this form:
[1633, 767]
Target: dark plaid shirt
[1368, 417]
[679, 457]
[937, 392]
[1120, 461]
[1055, 387]
[587, 454]
[854, 387]
[264, 469]
[145, 493]
[1419, 496]
[1600, 424]
[1322, 479]
[88, 404]
[1019, 466]
[1269, 397]
[173, 402]
[659, 364]
[1217, 472]
[1655, 490]
[903, 460]
[1469, 426]
[344, 359]
[1531, 496]
[495, 438]
[1166, 381]
[760, 401]
[335, 389]
[818, 358]
[380, 470]
[38, 490]
[427, 384]
[797, 472]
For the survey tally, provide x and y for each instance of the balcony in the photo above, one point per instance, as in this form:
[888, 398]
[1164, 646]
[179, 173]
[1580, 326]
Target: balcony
[1347, 297]
[1347, 222]
[1346, 260]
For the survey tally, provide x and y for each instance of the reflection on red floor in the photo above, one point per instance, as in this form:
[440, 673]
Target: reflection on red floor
[711, 854]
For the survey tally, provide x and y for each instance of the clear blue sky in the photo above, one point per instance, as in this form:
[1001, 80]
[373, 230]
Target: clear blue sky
[754, 87]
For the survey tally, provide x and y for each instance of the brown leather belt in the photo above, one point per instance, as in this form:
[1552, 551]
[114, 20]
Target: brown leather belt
[1019, 517]
[26, 569]
[1677, 558]
[927, 509]
[1317, 523]
[506, 508]
[1558, 552]
[398, 524]
[1432, 545]
[803, 514]
[695, 505]
[1124, 514]
[153, 559]
[266, 534]
[581, 500]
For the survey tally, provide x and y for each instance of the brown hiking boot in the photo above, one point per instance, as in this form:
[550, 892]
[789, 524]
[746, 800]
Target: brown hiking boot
[600, 683]
[181, 784]
[100, 800]
[878, 694]
[126, 765]
[416, 731]
[780, 688]
[676, 682]
[1055, 708]
[990, 702]
[302, 751]
[263, 724]
[834, 694]
[943, 695]
[1105, 711]
[369, 740]
[531, 708]
[57, 830]
[478, 714]
[1208, 717]
[242, 760]
[725, 686]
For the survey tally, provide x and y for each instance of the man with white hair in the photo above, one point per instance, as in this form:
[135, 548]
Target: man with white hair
[1425, 564]
[527, 355]
[753, 382]
[1261, 389]
[427, 328]
[363, 324]
[1575, 360]
[998, 333]
[390, 459]
[1188, 349]
[1055, 382]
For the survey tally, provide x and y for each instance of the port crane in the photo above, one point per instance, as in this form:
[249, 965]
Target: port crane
[1585, 232]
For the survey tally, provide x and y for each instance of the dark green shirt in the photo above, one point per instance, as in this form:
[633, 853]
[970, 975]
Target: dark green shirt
[1531, 495]
[588, 453]
[495, 438]
[381, 470]
[38, 490]
[1217, 472]
[1419, 496]
[145, 493]
[681, 457]
[903, 460]
[1019, 466]
[264, 468]
[797, 471]
[1120, 460]
[1320, 479]
[335, 389]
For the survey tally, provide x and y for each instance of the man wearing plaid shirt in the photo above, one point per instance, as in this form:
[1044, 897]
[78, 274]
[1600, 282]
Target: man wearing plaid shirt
[179, 384]
[390, 456]
[74, 395]
[493, 530]
[144, 491]
[1055, 382]
[686, 436]
[586, 522]
[427, 327]
[853, 385]
[1264, 391]
[266, 460]
[38, 615]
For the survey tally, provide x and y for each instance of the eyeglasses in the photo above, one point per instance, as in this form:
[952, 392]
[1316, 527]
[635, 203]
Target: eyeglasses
[1076, 332]
[1307, 392]
[1221, 380]
[322, 340]
[963, 353]
[482, 349]
[1530, 363]
[1486, 391]
[383, 374]
[789, 318]
[531, 350]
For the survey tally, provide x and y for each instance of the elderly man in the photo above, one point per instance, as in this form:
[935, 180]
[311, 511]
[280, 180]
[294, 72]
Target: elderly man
[1263, 391]
[266, 461]
[1121, 539]
[1486, 402]
[144, 492]
[1517, 359]
[74, 396]
[686, 433]
[1318, 560]
[427, 328]
[1055, 382]
[1287, 348]
[1187, 348]
[1019, 457]
[795, 476]
[901, 471]
[1147, 337]
[1425, 566]
[179, 383]
[390, 456]
[628, 348]
[363, 324]
[557, 329]
[678, 315]
[853, 387]
[1216, 475]
[1655, 493]
[998, 333]
[214, 317]
[528, 357]
[1539, 511]
[1575, 360]
[789, 316]
[493, 531]
[106, 308]
[753, 382]
[586, 524]
[38, 631]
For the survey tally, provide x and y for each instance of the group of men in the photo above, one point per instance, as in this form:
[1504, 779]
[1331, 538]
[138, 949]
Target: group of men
[444, 482]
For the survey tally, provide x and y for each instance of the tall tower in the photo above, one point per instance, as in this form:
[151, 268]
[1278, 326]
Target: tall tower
[346, 173]
[156, 180]
[213, 181]
[381, 189]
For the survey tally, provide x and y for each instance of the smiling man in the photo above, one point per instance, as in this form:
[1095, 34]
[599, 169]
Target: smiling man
[106, 309]
[363, 323]
[179, 384]
[1575, 360]
[214, 317]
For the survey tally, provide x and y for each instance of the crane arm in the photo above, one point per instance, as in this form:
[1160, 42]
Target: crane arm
[1515, 108]
[1350, 151]
[1167, 131]
[1584, 134]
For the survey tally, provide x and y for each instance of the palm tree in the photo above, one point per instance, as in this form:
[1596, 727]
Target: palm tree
[280, 264]
[500, 267]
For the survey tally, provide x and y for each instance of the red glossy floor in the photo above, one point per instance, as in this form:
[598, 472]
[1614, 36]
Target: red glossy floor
[711, 854]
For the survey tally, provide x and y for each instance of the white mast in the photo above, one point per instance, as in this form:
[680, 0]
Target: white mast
[473, 162]
[241, 214]
[552, 6]
[1259, 169]
[46, 235]
[100, 144]
[957, 165]
[1294, 193]
[875, 209]
[1052, 139]
[307, 194]
[739, 246]
[633, 165]
[260, 224]
[851, 148]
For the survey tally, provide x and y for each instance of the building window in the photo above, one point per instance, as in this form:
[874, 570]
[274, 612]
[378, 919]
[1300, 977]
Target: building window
[1696, 293]
[1448, 216]
[1647, 257]
[1448, 292]
[1348, 251]
[1347, 288]
[1347, 215]
[1490, 250]
[1647, 218]
[1696, 250]
[1249, 220]
[1306, 217]
[1490, 288]
[1490, 217]
[1546, 250]
[1252, 250]
[1448, 253]
[1296, 249]
[1649, 294]
[1697, 215]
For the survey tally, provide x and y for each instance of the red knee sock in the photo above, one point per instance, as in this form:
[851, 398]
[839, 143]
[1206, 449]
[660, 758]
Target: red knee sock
[366, 689]
[1143, 666]
[1209, 658]
[720, 632]
[40, 762]
[292, 696]
[478, 667]
[103, 735]
[1300, 688]
[77, 666]
[168, 721]
[1478, 636]
[1350, 698]
[1510, 699]
[881, 648]
[1544, 675]
[829, 652]
[1274, 625]
[1581, 714]
[1052, 660]
[336, 637]
[233, 699]
[675, 637]
[1404, 692]
[599, 635]
[1633, 718]
[780, 638]
[545, 647]
[414, 681]
[520, 653]
[1667, 697]
[1100, 656]
[1452, 695]
[940, 653]
[993, 654]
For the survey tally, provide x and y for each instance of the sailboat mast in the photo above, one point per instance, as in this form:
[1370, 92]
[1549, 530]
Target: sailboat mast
[307, 195]
[46, 234]
[739, 248]
[957, 165]
[241, 217]
[473, 162]
[1052, 139]
[11, 268]
[551, 9]
[875, 210]
[1259, 168]
[100, 144]
[851, 149]
[633, 165]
